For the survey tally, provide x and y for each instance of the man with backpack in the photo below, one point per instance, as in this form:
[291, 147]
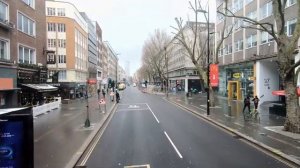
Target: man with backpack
[247, 103]
[255, 100]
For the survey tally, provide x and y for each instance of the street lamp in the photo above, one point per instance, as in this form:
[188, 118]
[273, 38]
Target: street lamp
[87, 122]
[208, 52]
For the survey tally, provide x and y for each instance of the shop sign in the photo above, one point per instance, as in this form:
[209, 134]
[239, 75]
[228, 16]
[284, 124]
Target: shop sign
[92, 81]
[236, 75]
[6, 83]
[214, 75]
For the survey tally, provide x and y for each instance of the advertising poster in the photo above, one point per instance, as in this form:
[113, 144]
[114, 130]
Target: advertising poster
[11, 144]
[214, 75]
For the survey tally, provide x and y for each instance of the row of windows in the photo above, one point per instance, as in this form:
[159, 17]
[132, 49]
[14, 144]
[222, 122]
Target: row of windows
[265, 10]
[61, 43]
[62, 59]
[52, 11]
[53, 27]
[26, 54]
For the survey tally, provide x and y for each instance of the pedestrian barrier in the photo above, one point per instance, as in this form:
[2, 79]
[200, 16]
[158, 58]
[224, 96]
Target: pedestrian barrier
[38, 110]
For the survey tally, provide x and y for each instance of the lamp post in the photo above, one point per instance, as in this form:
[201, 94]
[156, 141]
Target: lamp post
[208, 53]
[167, 82]
[87, 122]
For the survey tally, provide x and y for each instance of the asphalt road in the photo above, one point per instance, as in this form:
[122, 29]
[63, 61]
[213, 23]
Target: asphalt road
[147, 130]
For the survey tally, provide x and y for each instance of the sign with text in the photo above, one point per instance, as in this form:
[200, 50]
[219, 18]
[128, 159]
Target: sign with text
[214, 75]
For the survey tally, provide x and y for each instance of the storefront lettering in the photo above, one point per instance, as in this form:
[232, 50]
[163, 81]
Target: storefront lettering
[267, 83]
[236, 75]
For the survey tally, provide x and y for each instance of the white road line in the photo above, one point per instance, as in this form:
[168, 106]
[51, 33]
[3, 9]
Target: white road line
[178, 153]
[152, 113]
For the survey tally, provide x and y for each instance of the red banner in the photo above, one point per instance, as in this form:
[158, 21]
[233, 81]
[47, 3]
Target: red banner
[214, 75]
[92, 81]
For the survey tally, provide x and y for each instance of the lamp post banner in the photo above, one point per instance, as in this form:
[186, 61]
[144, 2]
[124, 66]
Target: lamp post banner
[214, 75]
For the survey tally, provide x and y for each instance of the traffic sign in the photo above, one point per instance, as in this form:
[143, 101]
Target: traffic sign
[102, 101]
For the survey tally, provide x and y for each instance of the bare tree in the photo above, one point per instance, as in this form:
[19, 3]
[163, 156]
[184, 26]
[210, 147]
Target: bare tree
[287, 45]
[194, 39]
[153, 56]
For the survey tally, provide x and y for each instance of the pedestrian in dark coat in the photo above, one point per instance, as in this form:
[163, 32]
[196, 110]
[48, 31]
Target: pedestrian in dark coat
[103, 93]
[247, 103]
[255, 101]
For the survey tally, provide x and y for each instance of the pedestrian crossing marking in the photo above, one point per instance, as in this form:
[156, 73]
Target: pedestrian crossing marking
[138, 166]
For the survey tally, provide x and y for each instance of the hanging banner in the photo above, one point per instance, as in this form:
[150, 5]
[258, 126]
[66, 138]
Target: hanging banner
[214, 75]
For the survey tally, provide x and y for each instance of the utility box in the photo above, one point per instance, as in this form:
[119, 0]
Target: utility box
[16, 138]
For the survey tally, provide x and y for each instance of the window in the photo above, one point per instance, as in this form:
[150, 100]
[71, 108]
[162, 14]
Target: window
[238, 24]
[4, 48]
[50, 59]
[51, 43]
[51, 11]
[26, 55]
[266, 10]
[3, 11]
[62, 75]
[26, 25]
[61, 12]
[238, 45]
[237, 5]
[29, 2]
[290, 26]
[248, 1]
[266, 37]
[61, 27]
[51, 27]
[252, 15]
[62, 59]
[251, 41]
[290, 3]
[61, 43]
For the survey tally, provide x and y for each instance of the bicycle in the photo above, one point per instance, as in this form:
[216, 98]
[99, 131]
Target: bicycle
[252, 115]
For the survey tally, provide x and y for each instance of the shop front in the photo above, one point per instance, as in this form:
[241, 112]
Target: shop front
[239, 81]
[8, 86]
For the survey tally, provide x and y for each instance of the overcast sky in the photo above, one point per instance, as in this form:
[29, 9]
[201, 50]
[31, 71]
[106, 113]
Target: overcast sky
[126, 24]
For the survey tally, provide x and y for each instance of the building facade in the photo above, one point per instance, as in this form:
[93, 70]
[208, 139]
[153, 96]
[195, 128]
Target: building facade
[67, 38]
[246, 59]
[112, 63]
[100, 62]
[183, 75]
[22, 50]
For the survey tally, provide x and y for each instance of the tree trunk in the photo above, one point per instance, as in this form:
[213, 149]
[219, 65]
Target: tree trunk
[212, 101]
[292, 122]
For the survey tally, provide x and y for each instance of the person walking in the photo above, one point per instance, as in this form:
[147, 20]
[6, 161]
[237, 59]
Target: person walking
[117, 96]
[98, 93]
[255, 101]
[247, 103]
[103, 93]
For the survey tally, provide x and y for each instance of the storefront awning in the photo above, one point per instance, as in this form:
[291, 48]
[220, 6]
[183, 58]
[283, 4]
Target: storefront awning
[282, 92]
[41, 87]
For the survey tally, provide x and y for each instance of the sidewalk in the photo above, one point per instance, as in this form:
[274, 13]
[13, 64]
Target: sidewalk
[265, 133]
[60, 136]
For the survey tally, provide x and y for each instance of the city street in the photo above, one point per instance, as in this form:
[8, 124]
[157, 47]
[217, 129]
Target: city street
[148, 131]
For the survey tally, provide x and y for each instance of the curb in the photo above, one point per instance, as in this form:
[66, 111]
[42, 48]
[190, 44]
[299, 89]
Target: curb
[246, 137]
[77, 155]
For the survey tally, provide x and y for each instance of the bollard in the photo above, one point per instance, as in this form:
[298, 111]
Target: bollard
[229, 110]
